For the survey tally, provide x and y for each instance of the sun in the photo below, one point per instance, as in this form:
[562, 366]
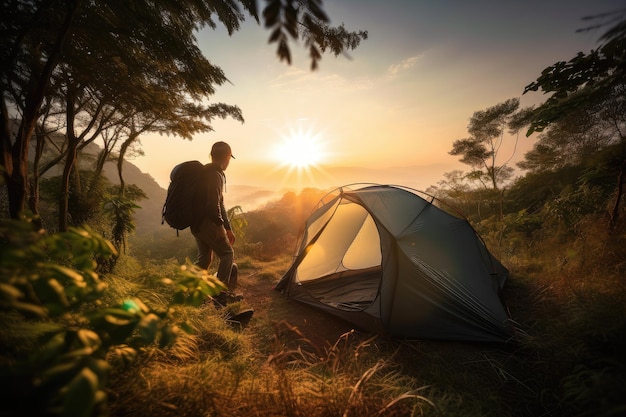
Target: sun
[301, 155]
[299, 149]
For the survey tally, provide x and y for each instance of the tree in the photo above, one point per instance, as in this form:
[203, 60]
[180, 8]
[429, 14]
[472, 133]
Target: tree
[120, 213]
[32, 39]
[480, 149]
[569, 141]
[148, 47]
[583, 79]
[595, 81]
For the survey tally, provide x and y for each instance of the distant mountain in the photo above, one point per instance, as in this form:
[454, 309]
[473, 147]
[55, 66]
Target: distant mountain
[419, 177]
[251, 190]
[149, 216]
[264, 183]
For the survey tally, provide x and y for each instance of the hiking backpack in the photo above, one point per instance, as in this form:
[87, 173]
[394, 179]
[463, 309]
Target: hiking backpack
[181, 204]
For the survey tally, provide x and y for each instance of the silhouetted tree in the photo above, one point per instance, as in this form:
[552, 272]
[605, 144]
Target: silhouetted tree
[130, 54]
[480, 150]
[595, 83]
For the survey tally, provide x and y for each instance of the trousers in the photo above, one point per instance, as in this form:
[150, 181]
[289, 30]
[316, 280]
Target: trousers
[211, 238]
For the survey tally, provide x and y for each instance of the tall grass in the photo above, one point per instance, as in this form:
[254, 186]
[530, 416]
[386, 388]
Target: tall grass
[565, 361]
[219, 373]
[567, 297]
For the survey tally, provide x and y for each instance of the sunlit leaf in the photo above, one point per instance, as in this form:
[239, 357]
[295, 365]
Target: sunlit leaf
[123, 355]
[29, 309]
[61, 271]
[89, 338]
[9, 292]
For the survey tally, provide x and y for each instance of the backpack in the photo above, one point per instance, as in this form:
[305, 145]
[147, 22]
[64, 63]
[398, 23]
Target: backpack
[183, 194]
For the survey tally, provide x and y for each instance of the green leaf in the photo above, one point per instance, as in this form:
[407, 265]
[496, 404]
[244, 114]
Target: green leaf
[57, 375]
[52, 294]
[168, 336]
[53, 347]
[80, 397]
[100, 367]
[118, 320]
[10, 293]
[189, 281]
[30, 310]
[148, 327]
[61, 271]
[89, 339]
[123, 355]
[197, 298]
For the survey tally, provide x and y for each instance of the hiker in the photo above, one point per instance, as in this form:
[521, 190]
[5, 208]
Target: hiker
[212, 230]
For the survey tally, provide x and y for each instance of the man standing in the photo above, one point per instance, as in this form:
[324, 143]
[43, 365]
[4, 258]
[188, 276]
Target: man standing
[212, 231]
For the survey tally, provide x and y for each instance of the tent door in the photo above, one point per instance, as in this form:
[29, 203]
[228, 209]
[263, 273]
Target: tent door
[343, 267]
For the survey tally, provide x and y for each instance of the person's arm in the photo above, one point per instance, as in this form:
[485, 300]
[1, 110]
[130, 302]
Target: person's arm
[224, 215]
[215, 203]
[226, 221]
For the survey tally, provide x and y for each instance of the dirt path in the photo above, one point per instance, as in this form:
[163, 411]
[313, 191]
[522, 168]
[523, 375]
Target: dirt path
[271, 307]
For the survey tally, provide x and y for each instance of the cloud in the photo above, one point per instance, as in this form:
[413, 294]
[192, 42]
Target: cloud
[394, 70]
[295, 78]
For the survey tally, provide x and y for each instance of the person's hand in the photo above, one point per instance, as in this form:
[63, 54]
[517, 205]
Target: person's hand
[231, 236]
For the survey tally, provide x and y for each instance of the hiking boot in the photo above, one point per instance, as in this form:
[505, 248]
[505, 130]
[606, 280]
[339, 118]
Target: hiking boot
[240, 319]
[227, 297]
[232, 280]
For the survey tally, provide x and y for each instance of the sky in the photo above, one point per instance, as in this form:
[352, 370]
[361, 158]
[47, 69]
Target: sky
[389, 111]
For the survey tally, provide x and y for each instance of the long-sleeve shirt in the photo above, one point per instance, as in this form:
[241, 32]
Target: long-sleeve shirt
[215, 209]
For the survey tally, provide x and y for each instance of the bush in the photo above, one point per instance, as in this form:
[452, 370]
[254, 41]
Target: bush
[59, 341]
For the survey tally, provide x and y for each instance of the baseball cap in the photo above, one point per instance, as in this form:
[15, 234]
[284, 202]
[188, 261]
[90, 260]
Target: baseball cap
[221, 148]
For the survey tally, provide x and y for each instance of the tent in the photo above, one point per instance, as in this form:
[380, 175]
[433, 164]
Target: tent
[387, 260]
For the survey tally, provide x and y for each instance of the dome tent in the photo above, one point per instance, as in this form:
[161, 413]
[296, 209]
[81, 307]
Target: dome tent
[386, 259]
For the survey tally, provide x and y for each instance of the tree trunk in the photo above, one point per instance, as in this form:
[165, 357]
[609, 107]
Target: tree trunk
[15, 156]
[65, 184]
[70, 158]
[33, 200]
[120, 161]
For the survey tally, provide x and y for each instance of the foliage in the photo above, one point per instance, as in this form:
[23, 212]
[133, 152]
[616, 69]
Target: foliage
[273, 230]
[120, 212]
[51, 288]
[69, 330]
[584, 79]
[151, 78]
[591, 85]
[237, 221]
[308, 21]
[570, 141]
[480, 150]
[95, 201]
[86, 194]
[565, 294]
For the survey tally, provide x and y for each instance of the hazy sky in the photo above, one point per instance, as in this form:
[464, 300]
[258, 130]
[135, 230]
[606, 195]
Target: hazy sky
[400, 99]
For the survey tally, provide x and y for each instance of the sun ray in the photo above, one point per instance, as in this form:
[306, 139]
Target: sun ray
[299, 149]
[300, 153]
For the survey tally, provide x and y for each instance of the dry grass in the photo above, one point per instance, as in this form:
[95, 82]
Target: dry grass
[217, 372]
[566, 360]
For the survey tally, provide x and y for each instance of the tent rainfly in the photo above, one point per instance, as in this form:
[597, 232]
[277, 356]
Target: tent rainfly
[387, 260]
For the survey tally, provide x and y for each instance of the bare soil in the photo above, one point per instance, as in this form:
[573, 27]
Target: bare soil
[274, 309]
